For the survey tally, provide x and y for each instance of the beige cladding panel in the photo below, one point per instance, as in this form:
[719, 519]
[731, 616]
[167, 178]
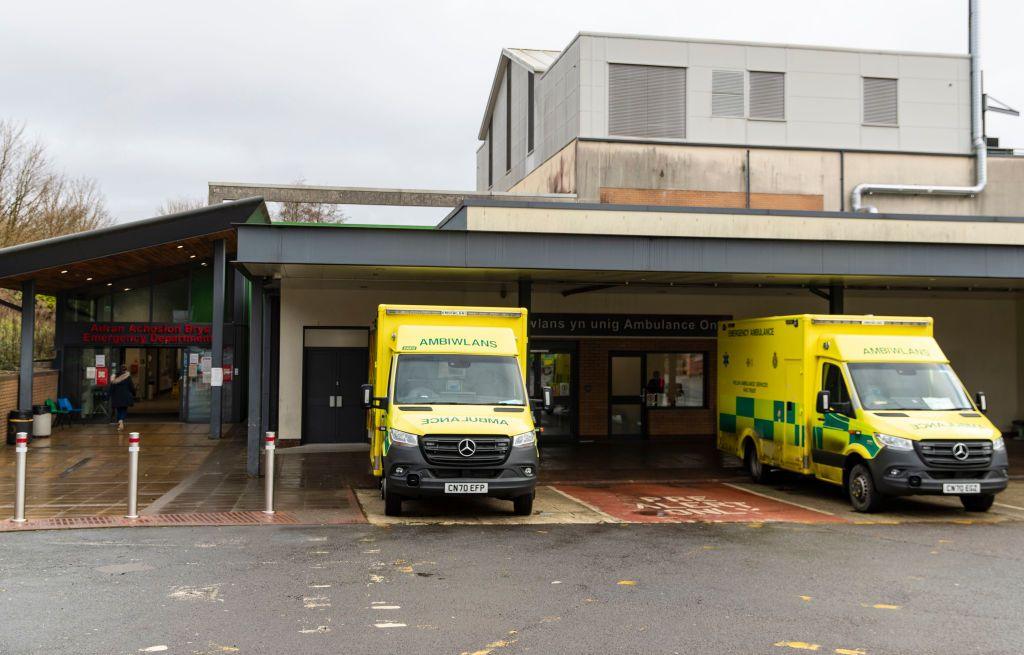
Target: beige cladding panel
[740, 226]
[649, 166]
[556, 175]
[608, 164]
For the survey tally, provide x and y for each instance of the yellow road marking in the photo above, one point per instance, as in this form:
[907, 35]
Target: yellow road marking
[799, 645]
[489, 648]
[806, 599]
[881, 606]
[850, 651]
[627, 583]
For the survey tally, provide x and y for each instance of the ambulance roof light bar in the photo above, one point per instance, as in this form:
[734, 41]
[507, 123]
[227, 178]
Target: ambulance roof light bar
[451, 312]
[871, 321]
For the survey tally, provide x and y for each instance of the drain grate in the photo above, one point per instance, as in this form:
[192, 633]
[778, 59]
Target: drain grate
[193, 519]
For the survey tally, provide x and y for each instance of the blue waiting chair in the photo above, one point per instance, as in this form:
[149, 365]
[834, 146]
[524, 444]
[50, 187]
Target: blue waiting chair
[70, 411]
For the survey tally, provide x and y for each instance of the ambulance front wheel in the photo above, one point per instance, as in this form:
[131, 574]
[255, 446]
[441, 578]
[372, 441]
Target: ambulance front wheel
[860, 487]
[978, 503]
[758, 471]
[392, 501]
[523, 505]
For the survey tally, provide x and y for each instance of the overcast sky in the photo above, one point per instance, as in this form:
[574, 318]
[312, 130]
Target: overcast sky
[156, 99]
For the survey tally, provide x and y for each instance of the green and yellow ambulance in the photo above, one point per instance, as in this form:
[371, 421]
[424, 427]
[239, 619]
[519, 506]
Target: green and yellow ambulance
[448, 408]
[867, 402]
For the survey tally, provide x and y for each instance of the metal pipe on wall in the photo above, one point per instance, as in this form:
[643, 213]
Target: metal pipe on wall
[977, 138]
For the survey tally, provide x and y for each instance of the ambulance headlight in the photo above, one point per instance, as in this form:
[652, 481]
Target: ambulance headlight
[998, 444]
[525, 439]
[403, 438]
[896, 443]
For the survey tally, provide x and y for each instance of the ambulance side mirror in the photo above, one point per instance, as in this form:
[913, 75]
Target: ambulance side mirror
[981, 401]
[367, 391]
[823, 403]
[549, 398]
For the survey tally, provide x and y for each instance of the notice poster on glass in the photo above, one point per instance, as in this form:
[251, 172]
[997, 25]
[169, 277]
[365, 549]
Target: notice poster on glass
[101, 360]
[216, 377]
[90, 372]
[193, 358]
[205, 364]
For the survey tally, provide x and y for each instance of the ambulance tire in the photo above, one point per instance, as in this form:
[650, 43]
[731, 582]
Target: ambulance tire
[392, 501]
[759, 473]
[523, 505]
[978, 503]
[860, 487]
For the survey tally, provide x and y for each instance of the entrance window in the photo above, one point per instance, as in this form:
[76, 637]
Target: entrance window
[675, 380]
[131, 304]
[170, 301]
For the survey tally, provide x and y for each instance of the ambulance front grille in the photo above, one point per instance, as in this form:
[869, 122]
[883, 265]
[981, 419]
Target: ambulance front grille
[444, 449]
[940, 453]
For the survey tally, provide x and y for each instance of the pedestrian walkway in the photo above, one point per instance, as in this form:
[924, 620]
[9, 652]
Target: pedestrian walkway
[82, 470]
[78, 478]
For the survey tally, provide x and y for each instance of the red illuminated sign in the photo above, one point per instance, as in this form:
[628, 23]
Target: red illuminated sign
[141, 334]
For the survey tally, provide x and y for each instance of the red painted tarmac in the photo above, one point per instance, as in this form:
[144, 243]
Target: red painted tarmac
[689, 503]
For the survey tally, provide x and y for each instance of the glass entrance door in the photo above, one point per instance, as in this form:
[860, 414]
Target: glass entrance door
[196, 396]
[554, 365]
[626, 413]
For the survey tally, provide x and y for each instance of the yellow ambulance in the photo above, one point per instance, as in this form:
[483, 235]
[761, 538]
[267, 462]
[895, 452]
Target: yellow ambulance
[867, 402]
[448, 409]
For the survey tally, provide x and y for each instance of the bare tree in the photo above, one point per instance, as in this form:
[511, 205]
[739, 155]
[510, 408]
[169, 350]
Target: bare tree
[36, 200]
[309, 212]
[179, 204]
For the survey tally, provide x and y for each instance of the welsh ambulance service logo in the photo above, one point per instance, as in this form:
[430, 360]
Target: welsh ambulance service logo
[775, 360]
[725, 360]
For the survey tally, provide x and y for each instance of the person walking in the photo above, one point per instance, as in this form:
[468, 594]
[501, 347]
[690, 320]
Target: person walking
[122, 396]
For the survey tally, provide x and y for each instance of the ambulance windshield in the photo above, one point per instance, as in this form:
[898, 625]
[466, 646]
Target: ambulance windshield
[908, 387]
[458, 380]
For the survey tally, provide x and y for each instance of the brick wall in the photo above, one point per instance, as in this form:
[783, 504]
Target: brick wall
[593, 387]
[44, 386]
[697, 198]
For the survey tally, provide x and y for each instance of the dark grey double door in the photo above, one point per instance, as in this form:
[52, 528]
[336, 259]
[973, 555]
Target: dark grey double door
[332, 407]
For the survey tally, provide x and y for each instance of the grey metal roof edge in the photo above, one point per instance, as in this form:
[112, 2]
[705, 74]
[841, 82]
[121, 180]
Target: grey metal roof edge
[525, 251]
[760, 44]
[122, 237]
[455, 220]
[119, 227]
[593, 206]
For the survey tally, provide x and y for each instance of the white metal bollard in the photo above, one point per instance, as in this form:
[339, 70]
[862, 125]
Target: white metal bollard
[269, 473]
[133, 476]
[20, 450]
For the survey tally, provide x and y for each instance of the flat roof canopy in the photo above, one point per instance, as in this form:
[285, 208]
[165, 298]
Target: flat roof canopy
[328, 252]
[126, 249]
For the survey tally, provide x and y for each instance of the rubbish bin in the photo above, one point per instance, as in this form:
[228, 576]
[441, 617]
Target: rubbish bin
[42, 421]
[18, 421]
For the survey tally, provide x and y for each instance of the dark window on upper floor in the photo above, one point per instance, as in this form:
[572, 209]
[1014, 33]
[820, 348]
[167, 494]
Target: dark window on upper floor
[530, 112]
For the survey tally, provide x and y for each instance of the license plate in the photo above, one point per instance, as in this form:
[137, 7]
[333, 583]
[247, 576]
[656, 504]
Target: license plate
[465, 487]
[961, 488]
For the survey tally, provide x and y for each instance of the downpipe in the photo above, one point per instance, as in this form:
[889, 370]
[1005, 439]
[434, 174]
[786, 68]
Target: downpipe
[977, 140]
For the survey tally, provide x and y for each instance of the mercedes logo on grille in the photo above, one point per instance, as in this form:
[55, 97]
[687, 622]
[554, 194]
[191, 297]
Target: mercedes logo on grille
[960, 451]
[467, 447]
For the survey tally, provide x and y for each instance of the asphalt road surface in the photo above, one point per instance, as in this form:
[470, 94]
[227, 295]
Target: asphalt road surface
[502, 590]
